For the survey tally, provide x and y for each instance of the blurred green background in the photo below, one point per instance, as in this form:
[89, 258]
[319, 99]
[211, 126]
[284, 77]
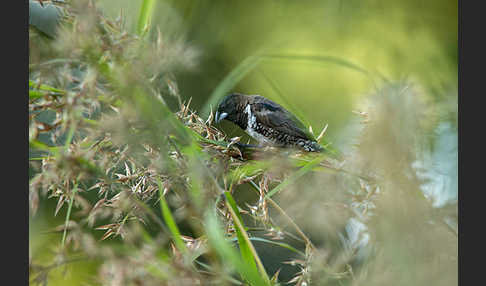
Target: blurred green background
[332, 54]
[389, 39]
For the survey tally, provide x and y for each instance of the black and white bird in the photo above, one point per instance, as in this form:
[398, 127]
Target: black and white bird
[266, 121]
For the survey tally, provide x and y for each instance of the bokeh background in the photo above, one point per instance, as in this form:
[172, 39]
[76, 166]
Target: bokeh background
[394, 40]
[328, 58]
[325, 59]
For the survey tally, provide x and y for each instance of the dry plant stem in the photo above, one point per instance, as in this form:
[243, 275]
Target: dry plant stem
[299, 231]
[368, 179]
[277, 207]
[144, 207]
[68, 213]
[245, 235]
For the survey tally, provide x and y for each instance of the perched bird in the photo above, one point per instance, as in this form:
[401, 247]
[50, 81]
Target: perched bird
[266, 121]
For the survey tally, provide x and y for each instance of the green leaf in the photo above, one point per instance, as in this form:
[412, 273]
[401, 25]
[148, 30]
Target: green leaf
[169, 219]
[44, 17]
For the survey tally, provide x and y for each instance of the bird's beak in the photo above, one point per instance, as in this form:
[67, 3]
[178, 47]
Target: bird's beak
[221, 116]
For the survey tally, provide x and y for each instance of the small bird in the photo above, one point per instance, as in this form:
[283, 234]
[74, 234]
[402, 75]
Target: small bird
[266, 121]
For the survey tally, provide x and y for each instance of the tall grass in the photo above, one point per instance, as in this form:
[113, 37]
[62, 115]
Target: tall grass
[157, 195]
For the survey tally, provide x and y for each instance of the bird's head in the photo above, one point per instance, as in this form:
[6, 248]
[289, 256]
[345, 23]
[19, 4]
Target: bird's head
[231, 107]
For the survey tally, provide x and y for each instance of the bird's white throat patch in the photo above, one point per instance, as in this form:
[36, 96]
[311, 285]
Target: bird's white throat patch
[251, 117]
[251, 127]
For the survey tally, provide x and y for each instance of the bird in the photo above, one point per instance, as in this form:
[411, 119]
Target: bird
[266, 121]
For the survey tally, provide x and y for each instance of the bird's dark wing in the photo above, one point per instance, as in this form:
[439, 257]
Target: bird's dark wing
[278, 118]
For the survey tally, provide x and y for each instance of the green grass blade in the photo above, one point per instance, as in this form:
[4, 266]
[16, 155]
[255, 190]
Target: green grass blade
[146, 10]
[38, 158]
[39, 90]
[248, 252]
[245, 250]
[283, 99]
[295, 176]
[251, 62]
[297, 113]
[281, 244]
[70, 136]
[227, 252]
[251, 168]
[45, 87]
[230, 81]
[154, 111]
[318, 59]
[169, 220]
[36, 144]
[35, 94]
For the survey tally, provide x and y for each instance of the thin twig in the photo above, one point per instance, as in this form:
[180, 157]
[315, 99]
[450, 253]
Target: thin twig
[277, 207]
[68, 215]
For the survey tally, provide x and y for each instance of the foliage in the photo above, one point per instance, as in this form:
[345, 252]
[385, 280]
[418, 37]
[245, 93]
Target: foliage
[154, 195]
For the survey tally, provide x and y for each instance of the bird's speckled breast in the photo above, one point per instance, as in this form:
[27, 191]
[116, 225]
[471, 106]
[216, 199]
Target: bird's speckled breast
[251, 128]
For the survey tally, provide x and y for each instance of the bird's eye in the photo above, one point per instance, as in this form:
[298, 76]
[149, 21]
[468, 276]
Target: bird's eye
[220, 116]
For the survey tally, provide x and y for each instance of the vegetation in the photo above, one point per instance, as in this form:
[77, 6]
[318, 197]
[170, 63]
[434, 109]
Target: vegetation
[142, 189]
